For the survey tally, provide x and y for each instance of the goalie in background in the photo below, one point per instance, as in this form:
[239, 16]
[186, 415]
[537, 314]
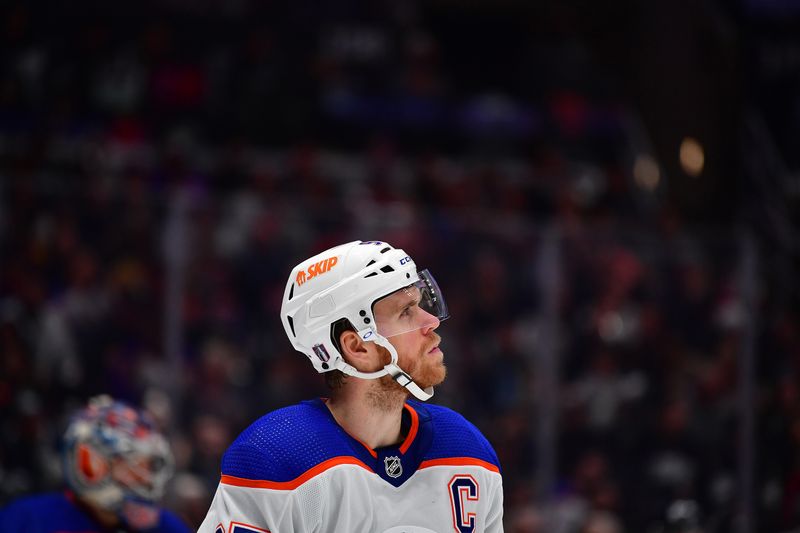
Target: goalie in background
[116, 464]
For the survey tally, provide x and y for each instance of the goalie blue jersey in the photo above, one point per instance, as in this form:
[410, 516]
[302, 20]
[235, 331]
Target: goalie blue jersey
[59, 513]
[297, 470]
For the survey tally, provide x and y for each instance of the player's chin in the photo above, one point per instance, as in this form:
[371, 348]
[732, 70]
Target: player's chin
[435, 375]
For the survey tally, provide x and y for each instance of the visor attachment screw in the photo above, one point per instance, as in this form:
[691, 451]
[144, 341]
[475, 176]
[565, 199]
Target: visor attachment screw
[362, 313]
[366, 321]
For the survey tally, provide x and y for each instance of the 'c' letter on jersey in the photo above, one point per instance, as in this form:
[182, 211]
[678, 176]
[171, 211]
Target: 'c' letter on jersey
[463, 489]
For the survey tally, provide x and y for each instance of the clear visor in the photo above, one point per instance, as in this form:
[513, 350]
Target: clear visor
[419, 305]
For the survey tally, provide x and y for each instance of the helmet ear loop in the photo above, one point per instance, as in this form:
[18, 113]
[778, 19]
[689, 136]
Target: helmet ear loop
[391, 369]
[366, 335]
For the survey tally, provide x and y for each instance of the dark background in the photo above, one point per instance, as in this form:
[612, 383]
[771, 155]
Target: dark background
[624, 328]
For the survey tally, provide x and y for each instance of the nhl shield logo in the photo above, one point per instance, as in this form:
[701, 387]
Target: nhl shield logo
[394, 468]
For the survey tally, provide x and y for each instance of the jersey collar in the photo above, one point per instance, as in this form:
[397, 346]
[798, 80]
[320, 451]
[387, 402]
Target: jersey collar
[395, 463]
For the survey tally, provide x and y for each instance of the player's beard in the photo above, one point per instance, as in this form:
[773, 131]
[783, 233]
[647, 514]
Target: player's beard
[426, 369]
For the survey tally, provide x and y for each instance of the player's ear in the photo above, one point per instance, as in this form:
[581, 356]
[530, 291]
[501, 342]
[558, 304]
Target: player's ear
[354, 350]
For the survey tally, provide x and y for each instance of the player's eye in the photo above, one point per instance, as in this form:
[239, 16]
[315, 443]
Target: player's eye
[406, 312]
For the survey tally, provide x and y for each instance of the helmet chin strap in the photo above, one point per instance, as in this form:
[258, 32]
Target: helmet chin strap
[399, 375]
[405, 380]
[392, 369]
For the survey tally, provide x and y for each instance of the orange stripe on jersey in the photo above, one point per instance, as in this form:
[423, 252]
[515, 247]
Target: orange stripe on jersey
[296, 482]
[412, 431]
[372, 452]
[458, 461]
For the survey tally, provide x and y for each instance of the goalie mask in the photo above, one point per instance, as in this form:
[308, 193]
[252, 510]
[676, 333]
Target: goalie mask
[343, 284]
[116, 459]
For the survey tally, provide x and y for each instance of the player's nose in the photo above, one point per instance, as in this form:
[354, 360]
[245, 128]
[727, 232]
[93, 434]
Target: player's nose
[431, 322]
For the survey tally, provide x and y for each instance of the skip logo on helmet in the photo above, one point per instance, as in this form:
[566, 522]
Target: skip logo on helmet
[316, 269]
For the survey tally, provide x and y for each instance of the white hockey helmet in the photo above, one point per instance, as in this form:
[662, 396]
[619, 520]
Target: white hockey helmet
[342, 284]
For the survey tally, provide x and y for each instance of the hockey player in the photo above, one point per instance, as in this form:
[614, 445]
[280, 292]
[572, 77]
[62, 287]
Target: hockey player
[116, 465]
[369, 458]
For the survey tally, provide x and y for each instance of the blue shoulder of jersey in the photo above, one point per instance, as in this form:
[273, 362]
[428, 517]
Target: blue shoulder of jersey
[282, 445]
[454, 435]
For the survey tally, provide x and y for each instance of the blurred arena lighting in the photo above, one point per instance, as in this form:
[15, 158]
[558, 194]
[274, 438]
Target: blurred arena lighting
[692, 157]
[646, 172]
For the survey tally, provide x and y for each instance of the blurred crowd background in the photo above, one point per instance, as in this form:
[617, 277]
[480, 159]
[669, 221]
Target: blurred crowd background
[607, 192]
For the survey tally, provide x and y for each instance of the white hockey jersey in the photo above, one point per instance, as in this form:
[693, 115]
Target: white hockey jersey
[297, 470]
